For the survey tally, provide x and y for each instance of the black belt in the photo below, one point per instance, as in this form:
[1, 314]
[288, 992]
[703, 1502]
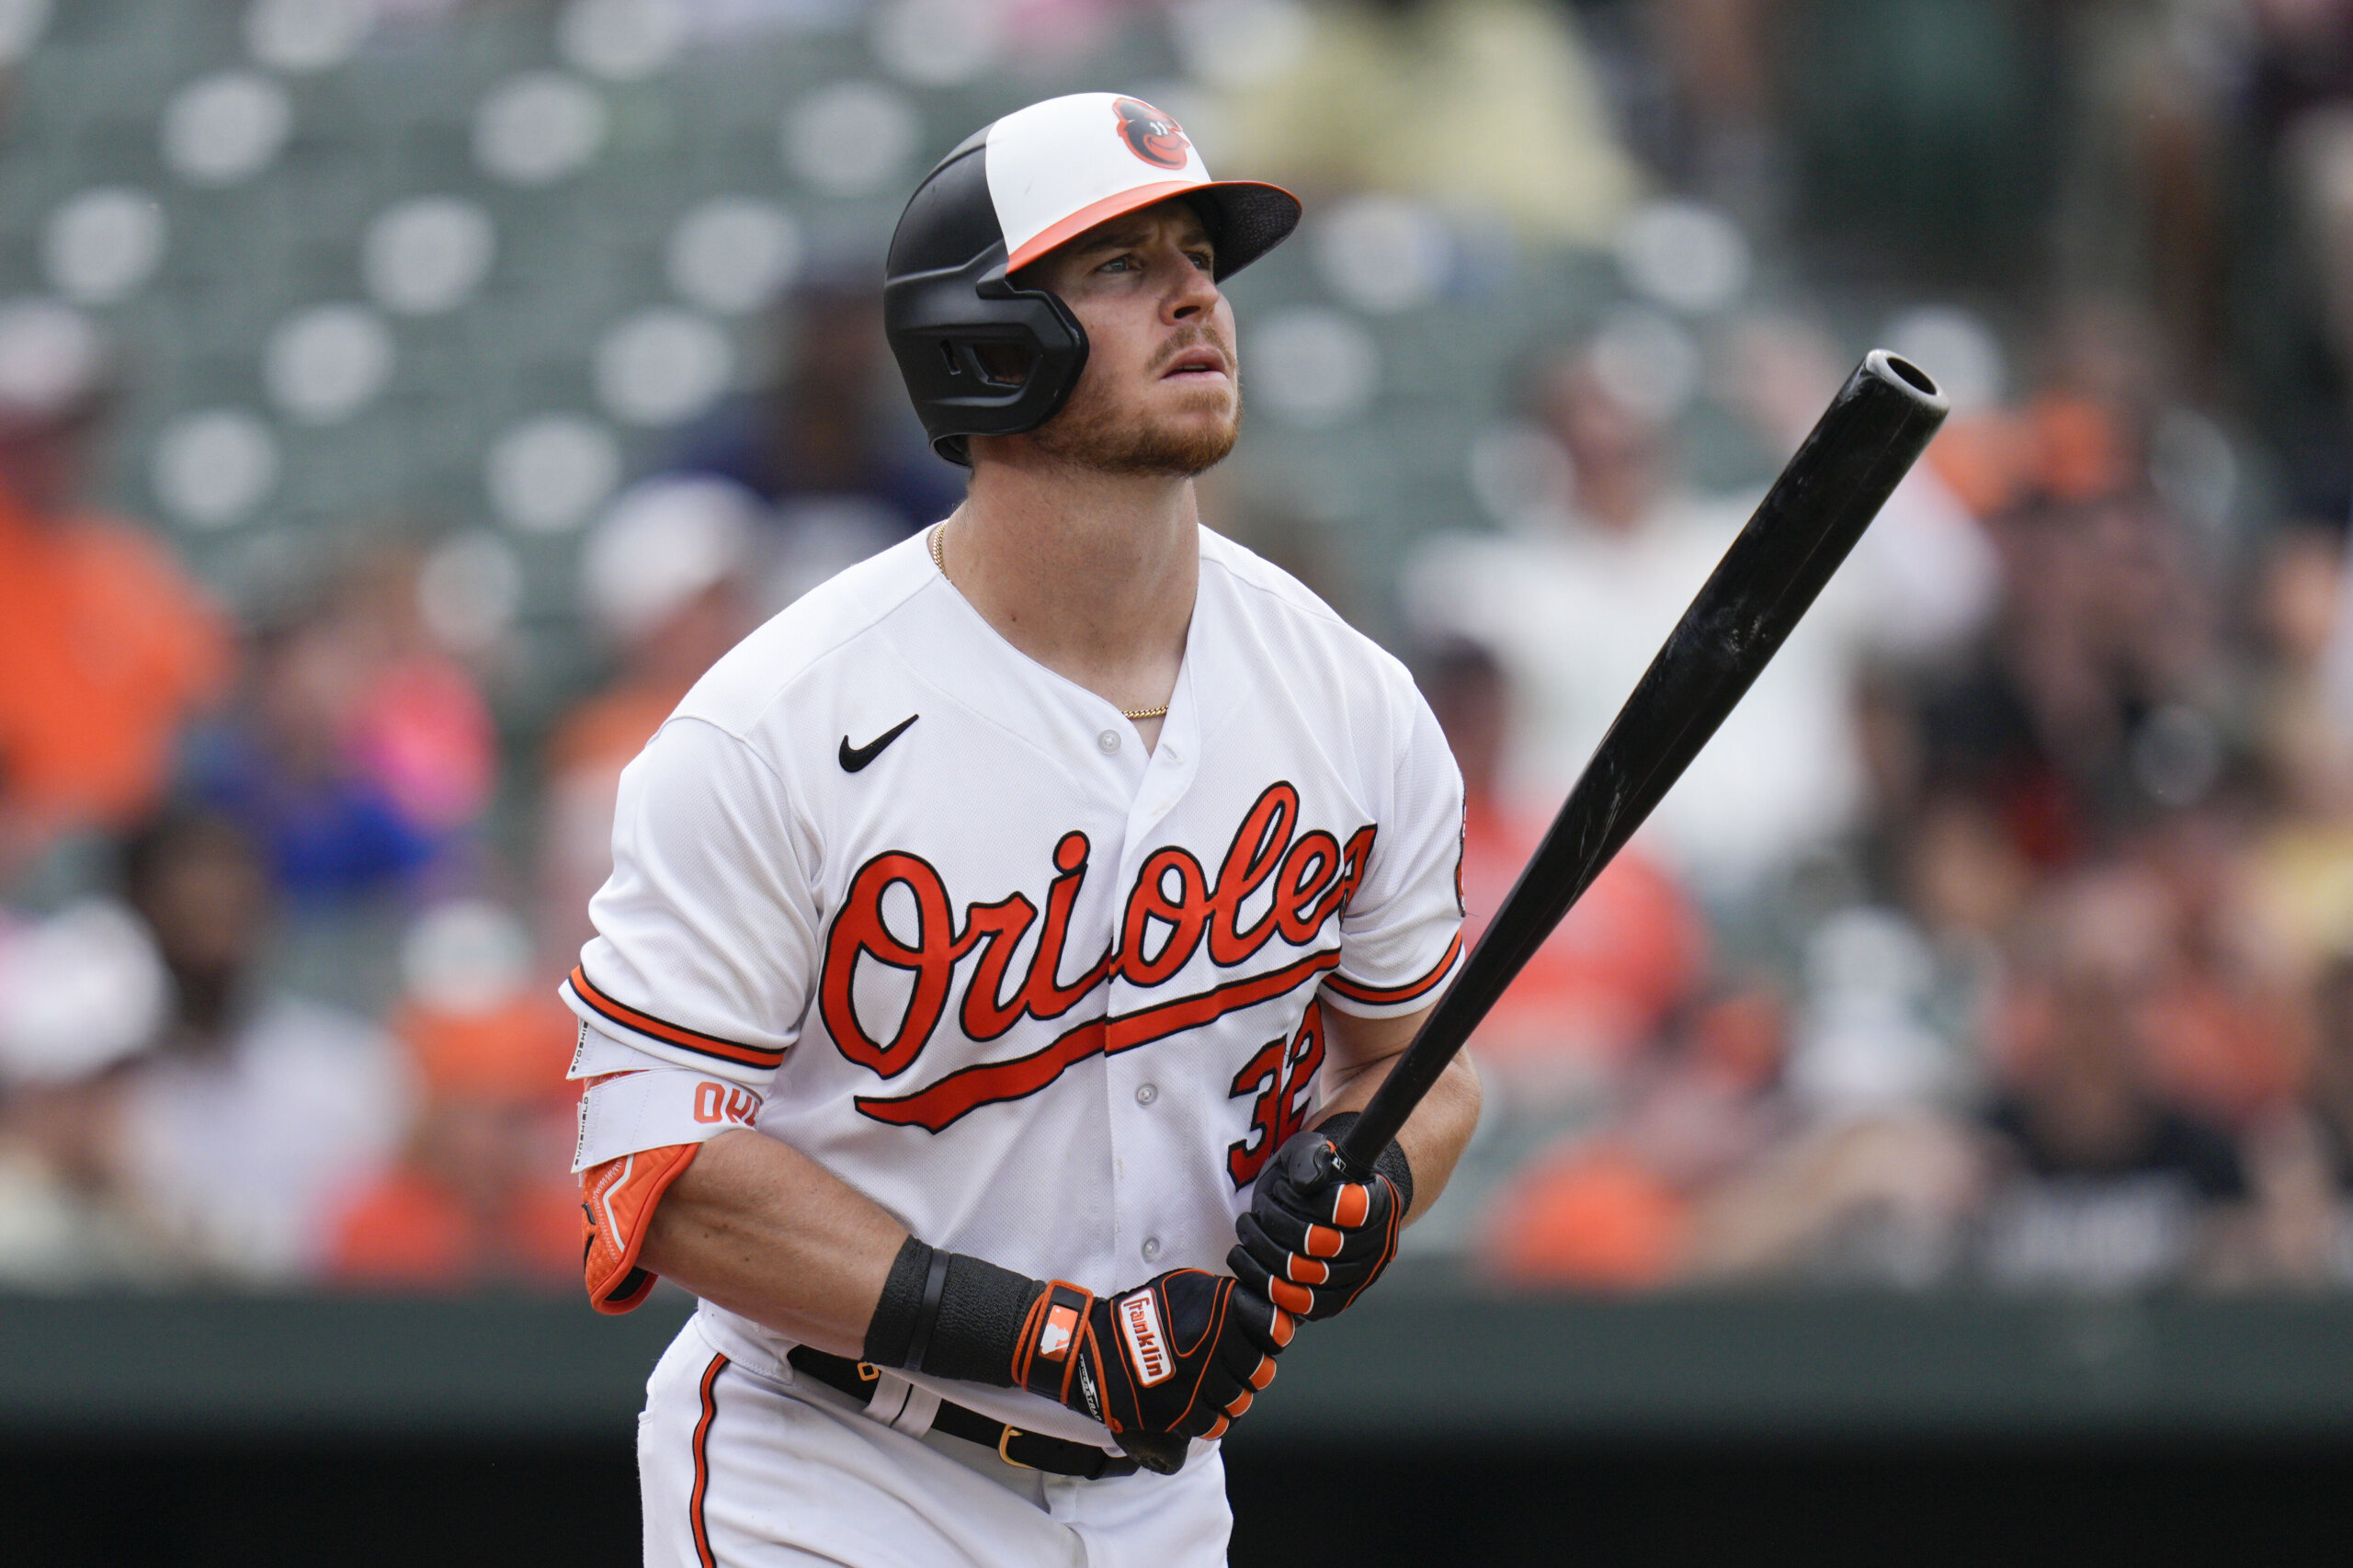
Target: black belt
[1030, 1451]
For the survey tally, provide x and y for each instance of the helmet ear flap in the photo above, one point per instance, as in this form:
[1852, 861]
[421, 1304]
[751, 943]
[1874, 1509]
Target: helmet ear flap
[980, 355]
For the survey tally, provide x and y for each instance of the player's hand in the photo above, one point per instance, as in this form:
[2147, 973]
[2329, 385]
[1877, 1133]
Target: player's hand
[1182, 1354]
[1311, 1242]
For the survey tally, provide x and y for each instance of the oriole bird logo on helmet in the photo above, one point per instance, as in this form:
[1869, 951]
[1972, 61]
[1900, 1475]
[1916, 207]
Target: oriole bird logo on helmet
[1150, 134]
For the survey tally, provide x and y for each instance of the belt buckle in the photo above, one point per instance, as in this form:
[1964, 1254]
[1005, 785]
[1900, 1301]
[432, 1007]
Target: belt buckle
[868, 1371]
[1009, 1434]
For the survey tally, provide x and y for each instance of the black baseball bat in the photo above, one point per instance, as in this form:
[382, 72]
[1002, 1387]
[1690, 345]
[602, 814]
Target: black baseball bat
[1843, 471]
[1842, 474]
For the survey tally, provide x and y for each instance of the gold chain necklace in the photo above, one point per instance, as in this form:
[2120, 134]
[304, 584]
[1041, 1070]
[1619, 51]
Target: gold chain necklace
[940, 559]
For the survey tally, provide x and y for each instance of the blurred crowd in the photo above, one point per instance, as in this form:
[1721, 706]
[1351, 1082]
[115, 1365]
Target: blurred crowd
[277, 972]
[2003, 936]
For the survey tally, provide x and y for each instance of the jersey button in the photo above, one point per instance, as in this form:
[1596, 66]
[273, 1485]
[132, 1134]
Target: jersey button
[1147, 1093]
[1151, 1249]
[1108, 741]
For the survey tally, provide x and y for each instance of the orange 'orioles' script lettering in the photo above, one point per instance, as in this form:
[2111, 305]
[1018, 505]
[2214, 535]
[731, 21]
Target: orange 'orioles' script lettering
[1172, 912]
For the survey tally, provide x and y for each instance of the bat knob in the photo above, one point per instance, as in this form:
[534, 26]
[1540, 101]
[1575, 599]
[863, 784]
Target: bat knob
[1313, 1163]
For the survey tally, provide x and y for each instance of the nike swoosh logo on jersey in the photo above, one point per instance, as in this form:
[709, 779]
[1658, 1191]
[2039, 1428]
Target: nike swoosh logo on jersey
[856, 757]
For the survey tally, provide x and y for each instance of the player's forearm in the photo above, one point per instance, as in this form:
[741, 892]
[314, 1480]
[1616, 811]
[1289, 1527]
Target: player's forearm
[757, 1227]
[1434, 1136]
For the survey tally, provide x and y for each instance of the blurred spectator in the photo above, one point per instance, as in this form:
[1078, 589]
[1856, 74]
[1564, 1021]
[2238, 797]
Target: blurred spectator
[1924, 578]
[1865, 1043]
[106, 647]
[2227, 1035]
[1962, 885]
[2301, 1163]
[1614, 1209]
[81, 992]
[2331, 1122]
[362, 751]
[2106, 1182]
[1962, 879]
[483, 1193]
[1881, 1199]
[1876, 1176]
[1601, 990]
[2103, 693]
[1716, 58]
[2143, 189]
[2081, 437]
[663, 583]
[1722, 1165]
[829, 447]
[2104, 641]
[2292, 255]
[1576, 603]
[1591, 1217]
[1481, 107]
[2301, 863]
[236, 1135]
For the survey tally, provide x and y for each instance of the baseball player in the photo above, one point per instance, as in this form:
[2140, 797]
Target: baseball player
[982, 926]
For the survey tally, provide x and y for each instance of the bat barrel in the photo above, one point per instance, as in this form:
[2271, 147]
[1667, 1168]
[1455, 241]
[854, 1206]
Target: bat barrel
[1842, 472]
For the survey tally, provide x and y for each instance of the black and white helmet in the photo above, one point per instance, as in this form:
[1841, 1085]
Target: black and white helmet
[1006, 195]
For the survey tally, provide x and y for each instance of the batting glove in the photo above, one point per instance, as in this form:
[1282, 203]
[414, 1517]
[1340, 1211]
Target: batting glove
[1181, 1354]
[1311, 1242]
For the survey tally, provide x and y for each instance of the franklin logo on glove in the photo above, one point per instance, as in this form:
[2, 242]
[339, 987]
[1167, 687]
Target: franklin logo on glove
[1140, 1325]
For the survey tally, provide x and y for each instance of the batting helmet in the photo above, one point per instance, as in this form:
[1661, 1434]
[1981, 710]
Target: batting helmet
[1010, 193]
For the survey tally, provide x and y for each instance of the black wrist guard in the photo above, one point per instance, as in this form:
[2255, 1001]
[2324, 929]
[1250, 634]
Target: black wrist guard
[890, 1333]
[950, 1315]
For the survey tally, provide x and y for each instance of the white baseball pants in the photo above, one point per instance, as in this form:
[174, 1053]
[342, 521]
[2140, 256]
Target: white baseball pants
[741, 1466]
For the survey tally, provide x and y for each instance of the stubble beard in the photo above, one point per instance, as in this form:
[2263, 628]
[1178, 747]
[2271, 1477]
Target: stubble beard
[1089, 433]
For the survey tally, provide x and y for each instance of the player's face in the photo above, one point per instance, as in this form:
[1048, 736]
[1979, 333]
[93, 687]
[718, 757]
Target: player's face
[1160, 393]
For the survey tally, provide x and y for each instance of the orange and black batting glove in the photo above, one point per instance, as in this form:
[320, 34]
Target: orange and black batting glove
[1182, 1354]
[1312, 1243]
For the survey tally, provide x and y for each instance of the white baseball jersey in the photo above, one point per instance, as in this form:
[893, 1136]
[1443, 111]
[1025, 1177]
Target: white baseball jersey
[888, 890]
